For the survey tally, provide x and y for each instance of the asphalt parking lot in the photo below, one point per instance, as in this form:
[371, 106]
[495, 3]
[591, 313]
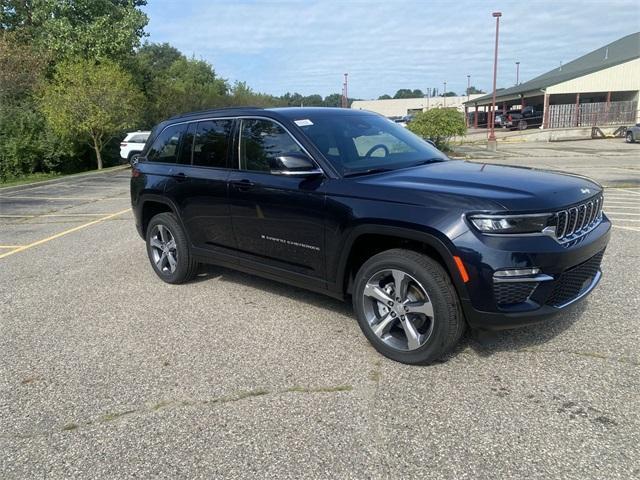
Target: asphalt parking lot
[107, 372]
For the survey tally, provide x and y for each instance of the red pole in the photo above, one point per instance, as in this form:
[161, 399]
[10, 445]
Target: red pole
[492, 133]
[475, 118]
[577, 114]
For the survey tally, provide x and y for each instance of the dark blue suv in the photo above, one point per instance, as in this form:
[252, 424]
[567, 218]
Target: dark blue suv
[350, 204]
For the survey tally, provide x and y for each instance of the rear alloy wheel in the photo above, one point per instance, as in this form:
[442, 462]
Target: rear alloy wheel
[630, 138]
[168, 249]
[407, 306]
[522, 125]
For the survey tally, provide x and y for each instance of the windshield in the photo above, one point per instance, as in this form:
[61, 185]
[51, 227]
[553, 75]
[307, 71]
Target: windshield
[358, 144]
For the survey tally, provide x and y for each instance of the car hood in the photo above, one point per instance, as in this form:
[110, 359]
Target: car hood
[514, 188]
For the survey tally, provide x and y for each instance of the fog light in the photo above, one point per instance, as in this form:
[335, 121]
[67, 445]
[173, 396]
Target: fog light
[516, 272]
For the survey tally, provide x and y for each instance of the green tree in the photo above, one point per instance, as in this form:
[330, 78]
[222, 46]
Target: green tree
[438, 125]
[404, 93]
[384, 97]
[313, 101]
[449, 94]
[243, 95]
[90, 101]
[473, 90]
[91, 29]
[187, 85]
[333, 100]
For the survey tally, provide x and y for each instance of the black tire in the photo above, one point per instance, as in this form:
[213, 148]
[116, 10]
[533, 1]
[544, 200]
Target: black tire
[448, 321]
[522, 125]
[630, 138]
[185, 266]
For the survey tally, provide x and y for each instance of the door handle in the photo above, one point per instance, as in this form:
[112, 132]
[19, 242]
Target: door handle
[180, 176]
[243, 185]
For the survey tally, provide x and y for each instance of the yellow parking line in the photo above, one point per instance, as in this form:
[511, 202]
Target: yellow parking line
[21, 197]
[65, 232]
[10, 246]
[55, 215]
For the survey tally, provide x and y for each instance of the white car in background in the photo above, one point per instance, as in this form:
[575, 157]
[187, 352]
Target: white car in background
[132, 144]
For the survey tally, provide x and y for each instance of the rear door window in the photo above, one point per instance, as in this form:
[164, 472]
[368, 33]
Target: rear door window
[211, 143]
[165, 147]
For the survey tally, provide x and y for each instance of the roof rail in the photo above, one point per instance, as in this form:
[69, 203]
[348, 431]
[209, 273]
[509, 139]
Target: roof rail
[211, 110]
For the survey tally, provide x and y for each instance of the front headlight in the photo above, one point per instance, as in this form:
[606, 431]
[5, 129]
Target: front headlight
[512, 223]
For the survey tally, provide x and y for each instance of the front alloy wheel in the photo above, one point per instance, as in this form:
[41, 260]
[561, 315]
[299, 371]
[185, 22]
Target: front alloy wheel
[407, 306]
[398, 309]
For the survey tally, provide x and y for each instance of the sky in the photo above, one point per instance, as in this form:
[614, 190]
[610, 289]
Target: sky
[280, 46]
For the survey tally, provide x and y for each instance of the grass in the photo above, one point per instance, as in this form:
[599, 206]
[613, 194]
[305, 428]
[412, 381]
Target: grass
[30, 178]
[42, 177]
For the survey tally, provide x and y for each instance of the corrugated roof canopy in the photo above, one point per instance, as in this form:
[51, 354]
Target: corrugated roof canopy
[621, 51]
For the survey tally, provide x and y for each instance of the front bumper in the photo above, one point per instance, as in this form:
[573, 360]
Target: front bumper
[569, 272]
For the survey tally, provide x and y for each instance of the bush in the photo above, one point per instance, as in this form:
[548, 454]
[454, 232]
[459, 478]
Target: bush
[439, 125]
[26, 145]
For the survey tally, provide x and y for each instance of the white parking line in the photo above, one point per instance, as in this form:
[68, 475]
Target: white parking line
[632, 229]
[629, 191]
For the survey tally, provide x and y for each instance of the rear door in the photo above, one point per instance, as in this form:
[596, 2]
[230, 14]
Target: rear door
[277, 219]
[199, 183]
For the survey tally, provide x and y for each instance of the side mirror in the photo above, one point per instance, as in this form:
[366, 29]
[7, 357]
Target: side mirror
[295, 165]
[430, 142]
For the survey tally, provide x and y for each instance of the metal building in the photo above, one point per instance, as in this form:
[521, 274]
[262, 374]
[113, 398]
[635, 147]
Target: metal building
[599, 88]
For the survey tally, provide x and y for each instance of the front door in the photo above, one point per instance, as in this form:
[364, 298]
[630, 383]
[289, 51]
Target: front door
[277, 220]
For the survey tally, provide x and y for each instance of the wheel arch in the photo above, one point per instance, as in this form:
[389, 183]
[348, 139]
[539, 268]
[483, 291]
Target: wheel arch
[151, 205]
[368, 240]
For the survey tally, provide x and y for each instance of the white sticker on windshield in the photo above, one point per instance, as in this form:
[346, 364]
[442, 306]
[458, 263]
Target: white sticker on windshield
[304, 122]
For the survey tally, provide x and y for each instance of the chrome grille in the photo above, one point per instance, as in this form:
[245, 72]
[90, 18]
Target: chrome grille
[577, 220]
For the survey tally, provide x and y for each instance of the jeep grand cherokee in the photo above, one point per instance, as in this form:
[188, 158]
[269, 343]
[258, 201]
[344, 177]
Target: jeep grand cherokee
[352, 205]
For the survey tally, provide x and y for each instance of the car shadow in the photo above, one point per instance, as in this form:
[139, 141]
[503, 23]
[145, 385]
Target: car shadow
[487, 343]
[208, 272]
[483, 343]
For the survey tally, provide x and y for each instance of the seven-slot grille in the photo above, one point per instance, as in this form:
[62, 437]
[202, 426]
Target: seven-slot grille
[578, 219]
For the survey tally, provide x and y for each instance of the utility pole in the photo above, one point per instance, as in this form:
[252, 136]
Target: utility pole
[491, 142]
[444, 95]
[517, 73]
[468, 87]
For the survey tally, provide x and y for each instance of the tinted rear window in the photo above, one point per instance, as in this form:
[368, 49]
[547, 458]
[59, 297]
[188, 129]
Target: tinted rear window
[211, 144]
[165, 147]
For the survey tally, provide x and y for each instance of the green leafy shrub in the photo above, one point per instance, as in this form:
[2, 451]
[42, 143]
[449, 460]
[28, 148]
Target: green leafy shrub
[439, 125]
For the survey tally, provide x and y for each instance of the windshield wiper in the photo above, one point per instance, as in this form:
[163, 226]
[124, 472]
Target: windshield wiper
[429, 160]
[367, 172]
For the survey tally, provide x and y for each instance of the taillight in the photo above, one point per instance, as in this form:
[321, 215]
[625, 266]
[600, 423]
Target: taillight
[135, 172]
[509, 118]
[123, 144]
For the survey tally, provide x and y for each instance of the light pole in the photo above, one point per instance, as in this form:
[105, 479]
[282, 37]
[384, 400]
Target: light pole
[517, 73]
[491, 143]
[468, 87]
